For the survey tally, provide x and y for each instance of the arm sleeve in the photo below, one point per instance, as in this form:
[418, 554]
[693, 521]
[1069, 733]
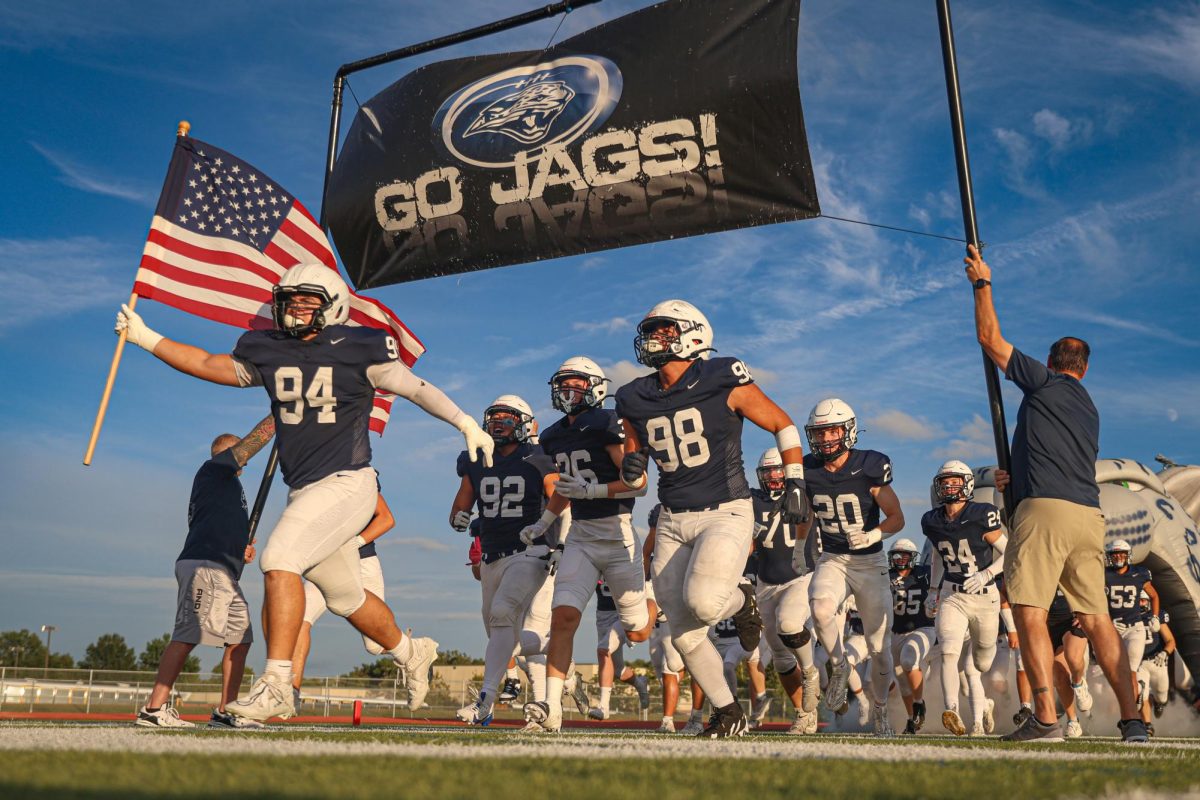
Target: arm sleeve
[247, 373]
[1025, 372]
[398, 379]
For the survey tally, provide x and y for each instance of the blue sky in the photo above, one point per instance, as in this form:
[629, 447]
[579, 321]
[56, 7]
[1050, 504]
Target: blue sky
[1088, 190]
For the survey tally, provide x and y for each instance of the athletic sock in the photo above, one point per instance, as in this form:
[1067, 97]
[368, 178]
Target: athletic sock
[554, 692]
[537, 676]
[605, 694]
[281, 667]
[402, 652]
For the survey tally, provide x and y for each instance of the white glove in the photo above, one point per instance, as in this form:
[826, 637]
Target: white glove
[861, 539]
[1155, 623]
[577, 488]
[136, 331]
[1160, 658]
[975, 584]
[931, 603]
[460, 521]
[359, 541]
[477, 439]
[537, 529]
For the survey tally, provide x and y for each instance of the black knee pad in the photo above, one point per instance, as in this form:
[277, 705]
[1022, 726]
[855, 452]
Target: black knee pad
[787, 671]
[795, 640]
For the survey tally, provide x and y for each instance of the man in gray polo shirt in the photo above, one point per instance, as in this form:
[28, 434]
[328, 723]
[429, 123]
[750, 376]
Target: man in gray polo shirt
[1057, 527]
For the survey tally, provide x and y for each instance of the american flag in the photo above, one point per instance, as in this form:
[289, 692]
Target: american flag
[222, 235]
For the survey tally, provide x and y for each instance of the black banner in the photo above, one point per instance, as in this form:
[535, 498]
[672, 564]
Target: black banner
[680, 119]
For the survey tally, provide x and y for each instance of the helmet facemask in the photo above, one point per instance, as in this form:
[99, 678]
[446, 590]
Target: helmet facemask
[901, 559]
[1117, 559]
[283, 302]
[771, 479]
[952, 488]
[825, 448]
[506, 424]
[572, 400]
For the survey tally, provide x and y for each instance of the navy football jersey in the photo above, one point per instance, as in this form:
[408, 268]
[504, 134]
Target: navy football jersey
[652, 519]
[908, 594]
[854, 623]
[321, 396]
[1123, 591]
[774, 541]
[959, 542]
[604, 598]
[842, 501]
[509, 494]
[694, 437]
[580, 449]
[1154, 639]
[726, 629]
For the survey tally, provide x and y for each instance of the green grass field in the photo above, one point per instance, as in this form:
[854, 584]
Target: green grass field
[122, 761]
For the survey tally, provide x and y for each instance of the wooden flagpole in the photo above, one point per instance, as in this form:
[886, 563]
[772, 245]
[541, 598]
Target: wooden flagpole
[182, 130]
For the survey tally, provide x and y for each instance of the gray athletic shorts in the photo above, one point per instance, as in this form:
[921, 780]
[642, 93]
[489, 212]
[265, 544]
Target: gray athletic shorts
[210, 608]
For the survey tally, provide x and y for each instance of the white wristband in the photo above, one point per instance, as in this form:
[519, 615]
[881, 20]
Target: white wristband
[793, 471]
[1007, 618]
[360, 541]
[548, 519]
[788, 438]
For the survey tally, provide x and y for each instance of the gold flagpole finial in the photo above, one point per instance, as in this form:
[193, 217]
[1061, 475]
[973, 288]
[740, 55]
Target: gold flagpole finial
[184, 127]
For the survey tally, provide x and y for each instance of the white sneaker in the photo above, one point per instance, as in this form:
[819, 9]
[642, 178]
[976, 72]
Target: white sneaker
[668, 725]
[759, 708]
[1074, 729]
[598, 713]
[953, 722]
[812, 689]
[883, 726]
[801, 724]
[270, 696]
[812, 723]
[165, 717]
[694, 727]
[543, 717]
[864, 711]
[478, 712]
[989, 716]
[835, 693]
[1083, 696]
[977, 729]
[416, 671]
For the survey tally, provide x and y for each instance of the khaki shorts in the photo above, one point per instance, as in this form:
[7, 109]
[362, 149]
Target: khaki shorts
[1056, 543]
[210, 609]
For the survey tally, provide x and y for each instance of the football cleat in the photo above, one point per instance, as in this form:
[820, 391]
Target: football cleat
[668, 725]
[1022, 716]
[910, 727]
[977, 730]
[864, 710]
[510, 691]
[270, 696]
[416, 671]
[883, 726]
[1083, 696]
[296, 701]
[804, 724]
[989, 716]
[694, 726]
[543, 718]
[1150, 729]
[579, 694]
[835, 692]
[918, 717]
[598, 713]
[642, 686]
[759, 706]
[164, 717]
[812, 689]
[952, 722]
[1074, 729]
[748, 620]
[1158, 708]
[725, 723]
[1033, 731]
[476, 713]
[1133, 731]
[223, 719]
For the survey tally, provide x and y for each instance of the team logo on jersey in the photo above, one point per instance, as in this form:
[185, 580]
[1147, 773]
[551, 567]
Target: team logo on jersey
[528, 109]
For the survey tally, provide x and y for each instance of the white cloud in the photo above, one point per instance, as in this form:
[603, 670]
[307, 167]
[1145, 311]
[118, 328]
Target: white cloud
[1172, 415]
[1171, 49]
[1020, 154]
[612, 325]
[903, 426]
[419, 542]
[1059, 131]
[89, 179]
[621, 373]
[974, 442]
[527, 356]
[55, 277]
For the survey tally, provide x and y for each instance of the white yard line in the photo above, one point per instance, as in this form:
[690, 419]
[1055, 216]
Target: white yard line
[131, 739]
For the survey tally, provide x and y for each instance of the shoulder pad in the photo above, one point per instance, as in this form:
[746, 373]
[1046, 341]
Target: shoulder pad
[727, 372]
[463, 465]
[538, 459]
[877, 466]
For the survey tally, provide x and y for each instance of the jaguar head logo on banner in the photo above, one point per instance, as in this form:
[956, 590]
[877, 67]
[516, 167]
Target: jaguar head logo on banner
[526, 109]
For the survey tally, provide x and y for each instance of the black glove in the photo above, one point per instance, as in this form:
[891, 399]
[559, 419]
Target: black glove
[793, 505]
[633, 466]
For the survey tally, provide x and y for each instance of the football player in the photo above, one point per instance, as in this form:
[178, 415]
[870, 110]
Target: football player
[1123, 582]
[611, 639]
[687, 416]
[587, 445]
[849, 490]
[784, 573]
[320, 375]
[1154, 676]
[965, 535]
[912, 630]
[666, 659]
[510, 494]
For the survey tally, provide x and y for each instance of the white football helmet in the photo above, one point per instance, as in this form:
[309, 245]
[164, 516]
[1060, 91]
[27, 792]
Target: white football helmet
[831, 413]
[1117, 554]
[904, 554]
[316, 279]
[694, 339]
[770, 472]
[572, 401]
[499, 422]
[947, 494]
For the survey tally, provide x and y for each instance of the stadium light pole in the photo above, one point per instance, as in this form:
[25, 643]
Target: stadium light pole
[49, 631]
[335, 121]
[971, 228]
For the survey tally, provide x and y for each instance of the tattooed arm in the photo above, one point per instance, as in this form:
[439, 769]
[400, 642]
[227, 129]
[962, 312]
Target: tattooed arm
[255, 440]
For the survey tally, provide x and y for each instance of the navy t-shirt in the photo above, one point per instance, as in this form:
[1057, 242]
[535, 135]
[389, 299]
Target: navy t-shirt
[693, 435]
[1057, 438]
[581, 449]
[218, 521]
